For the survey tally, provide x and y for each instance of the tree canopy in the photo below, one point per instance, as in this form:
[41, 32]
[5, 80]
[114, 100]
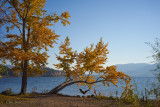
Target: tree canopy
[28, 35]
[80, 67]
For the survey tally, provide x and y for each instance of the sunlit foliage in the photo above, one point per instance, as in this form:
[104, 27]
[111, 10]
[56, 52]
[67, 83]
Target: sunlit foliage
[80, 67]
[26, 50]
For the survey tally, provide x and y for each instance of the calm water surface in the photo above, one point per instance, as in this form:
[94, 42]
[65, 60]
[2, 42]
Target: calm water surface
[41, 84]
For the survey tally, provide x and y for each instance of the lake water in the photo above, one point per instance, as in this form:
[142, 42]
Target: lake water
[42, 84]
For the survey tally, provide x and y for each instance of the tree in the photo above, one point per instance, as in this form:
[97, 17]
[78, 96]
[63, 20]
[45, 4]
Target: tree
[156, 56]
[26, 50]
[79, 67]
[156, 59]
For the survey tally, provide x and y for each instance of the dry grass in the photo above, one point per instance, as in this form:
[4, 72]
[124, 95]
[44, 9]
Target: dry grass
[37, 100]
[7, 99]
[53, 101]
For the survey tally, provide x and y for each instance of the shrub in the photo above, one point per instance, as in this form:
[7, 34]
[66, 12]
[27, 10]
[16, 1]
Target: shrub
[128, 95]
[7, 92]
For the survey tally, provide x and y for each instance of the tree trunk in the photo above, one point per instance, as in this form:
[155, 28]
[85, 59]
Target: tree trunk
[24, 78]
[25, 62]
[60, 87]
[65, 84]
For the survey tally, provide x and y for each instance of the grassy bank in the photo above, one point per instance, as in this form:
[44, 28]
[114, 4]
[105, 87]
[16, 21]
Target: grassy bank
[42, 100]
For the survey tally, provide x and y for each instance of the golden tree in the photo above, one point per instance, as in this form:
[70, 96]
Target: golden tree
[79, 67]
[26, 50]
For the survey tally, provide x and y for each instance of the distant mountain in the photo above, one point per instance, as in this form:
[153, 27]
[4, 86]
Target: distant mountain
[137, 69]
[50, 72]
[6, 71]
[131, 69]
[9, 66]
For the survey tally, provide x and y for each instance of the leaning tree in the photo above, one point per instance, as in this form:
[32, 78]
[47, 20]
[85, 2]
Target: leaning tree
[79, 67]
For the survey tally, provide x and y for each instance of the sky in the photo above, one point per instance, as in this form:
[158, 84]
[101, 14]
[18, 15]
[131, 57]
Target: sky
[124, 24]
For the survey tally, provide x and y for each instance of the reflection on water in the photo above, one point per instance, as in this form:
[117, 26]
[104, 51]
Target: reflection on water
[43, 84]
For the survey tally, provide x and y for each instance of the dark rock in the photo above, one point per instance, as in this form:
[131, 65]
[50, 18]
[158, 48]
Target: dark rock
[4, 92]
[92, 95]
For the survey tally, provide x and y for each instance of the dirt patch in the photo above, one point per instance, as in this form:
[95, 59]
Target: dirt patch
[59, 101]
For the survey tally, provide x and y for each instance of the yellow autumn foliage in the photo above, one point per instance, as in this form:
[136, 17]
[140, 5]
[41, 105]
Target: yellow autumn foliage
[80, 67]
[34, 37]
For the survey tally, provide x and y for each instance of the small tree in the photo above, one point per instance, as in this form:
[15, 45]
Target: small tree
[26, 50]
[156, 56]
[156, 59]
[79, 67]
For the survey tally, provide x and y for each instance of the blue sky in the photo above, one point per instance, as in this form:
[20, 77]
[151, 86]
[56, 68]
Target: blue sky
[125, 24]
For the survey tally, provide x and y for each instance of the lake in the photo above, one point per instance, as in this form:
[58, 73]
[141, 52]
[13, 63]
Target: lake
[44, 84]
